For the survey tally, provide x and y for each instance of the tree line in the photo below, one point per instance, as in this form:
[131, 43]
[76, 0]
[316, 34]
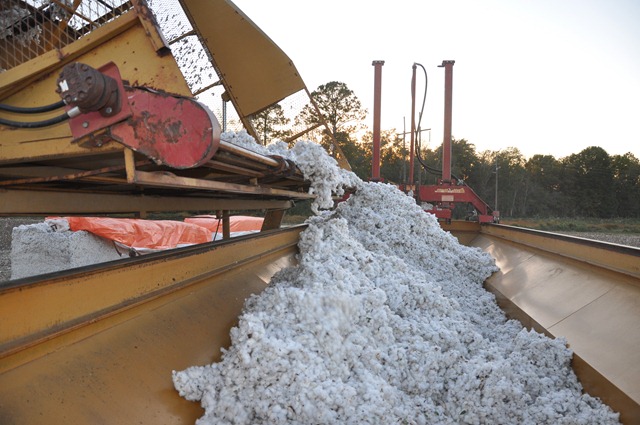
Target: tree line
[590, 183]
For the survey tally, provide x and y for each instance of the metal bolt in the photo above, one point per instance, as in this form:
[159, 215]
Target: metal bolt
[85, 124]
[108, 110]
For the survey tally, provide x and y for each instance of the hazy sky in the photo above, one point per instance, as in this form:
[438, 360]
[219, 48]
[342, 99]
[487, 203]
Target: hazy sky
[544, 76]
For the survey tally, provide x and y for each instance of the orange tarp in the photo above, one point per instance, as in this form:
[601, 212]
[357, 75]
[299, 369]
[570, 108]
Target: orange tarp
[137, 233]
[237, 223]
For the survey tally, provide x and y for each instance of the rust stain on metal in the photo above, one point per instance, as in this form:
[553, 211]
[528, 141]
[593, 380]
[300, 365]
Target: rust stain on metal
[173, 130]
[144, 12]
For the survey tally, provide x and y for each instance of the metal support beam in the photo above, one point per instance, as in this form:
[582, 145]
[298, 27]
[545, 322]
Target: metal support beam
[377, 89]
[446, 142]
[40, 202]
[159, 179]
[272, 219]
[226, 224]
[413, 124]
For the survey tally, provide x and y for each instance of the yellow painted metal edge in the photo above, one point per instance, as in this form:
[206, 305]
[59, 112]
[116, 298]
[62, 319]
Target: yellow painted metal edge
[117, 369]
[612, 257]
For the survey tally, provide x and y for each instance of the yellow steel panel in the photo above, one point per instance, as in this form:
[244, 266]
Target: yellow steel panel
[19, 77]
[507, 255]
[610, 323]
[255, 71]
[464, 231]
[546, 287]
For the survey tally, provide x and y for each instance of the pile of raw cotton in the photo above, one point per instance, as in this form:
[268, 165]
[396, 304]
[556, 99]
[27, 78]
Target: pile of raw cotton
[385, 321]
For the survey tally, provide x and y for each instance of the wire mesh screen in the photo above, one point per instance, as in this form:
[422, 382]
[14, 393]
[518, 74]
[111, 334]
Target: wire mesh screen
[194, 61]
[277, 122]
[284, 120]
[29, 28]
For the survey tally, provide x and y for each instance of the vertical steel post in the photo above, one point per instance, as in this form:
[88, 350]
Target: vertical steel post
[496, 199]
[446, 142]
[377, 89]
[413, 124]
[404, 148]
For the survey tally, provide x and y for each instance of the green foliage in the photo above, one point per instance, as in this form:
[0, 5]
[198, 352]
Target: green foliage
[626, 176]
[589, 176]
[339, 106]
[587, 184]
[342, 111]
[590, 183]
[392, 157]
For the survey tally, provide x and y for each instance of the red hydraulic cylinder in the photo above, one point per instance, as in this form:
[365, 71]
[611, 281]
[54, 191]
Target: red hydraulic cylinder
[446, 142]
[413, 124]
[377, 89]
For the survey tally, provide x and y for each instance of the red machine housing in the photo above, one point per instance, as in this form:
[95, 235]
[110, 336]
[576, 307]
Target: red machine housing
[171, 130]
[444, 196]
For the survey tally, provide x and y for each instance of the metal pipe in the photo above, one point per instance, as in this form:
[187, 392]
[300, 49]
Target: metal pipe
[246, 153]
[448, 96]
[413, 124]
[377, 88]
[248, 158]
[229, 158]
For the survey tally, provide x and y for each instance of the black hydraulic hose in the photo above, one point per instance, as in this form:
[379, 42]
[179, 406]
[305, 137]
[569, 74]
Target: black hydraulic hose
[33, 110]
[39, 124]
[424, 97]
[427, 168]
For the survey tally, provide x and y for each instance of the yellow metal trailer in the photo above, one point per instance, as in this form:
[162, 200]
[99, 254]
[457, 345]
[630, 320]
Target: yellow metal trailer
[99, 343]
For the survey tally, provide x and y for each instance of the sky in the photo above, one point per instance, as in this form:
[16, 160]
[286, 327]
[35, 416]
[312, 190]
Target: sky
[547, 77]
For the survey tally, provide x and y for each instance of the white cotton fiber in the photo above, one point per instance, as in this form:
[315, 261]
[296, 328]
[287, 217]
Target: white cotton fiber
[384, 321]
[320, 169]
